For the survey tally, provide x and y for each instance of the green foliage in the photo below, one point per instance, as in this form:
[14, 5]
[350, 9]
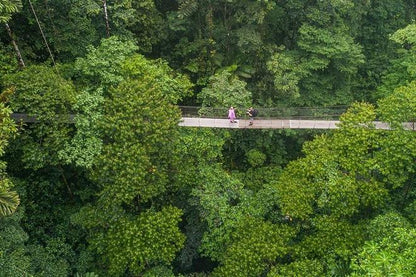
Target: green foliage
[9, 200]
[140, 128]
[8, 62]
[409, 211]
[101, 68]
[225, 90]
[288, 72]
[85, 145]
[255, 245]
[88, 274]
[7, 8]
[243, 215]
[13, 256]
[140, 21]
[278, 146]
[187, 8]
[396, 159]
[151, 238]
[402, 70]
[312, 268]
[213, 35]
[347, 171]
[405, 36]
[42, 93]
[68, 26]
[341, 179]
[51, 260]
[159, 271]
[331, 238]
[197, 147]
[297, 72]
[324, 59]
[379, 50]
[357, 139]
[381, 226]
[8, 127]
[326, 45]
[256, 178]
[198, 150]
[400, 106]
[137, 152]
[172, 85]
[320, 182]
[216, 199]
[393, 255]
[255, 157]
[97, 72]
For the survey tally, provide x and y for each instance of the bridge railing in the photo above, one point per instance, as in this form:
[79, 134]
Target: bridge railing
[332, 112]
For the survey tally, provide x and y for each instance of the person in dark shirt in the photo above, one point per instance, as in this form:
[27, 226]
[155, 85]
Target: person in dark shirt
[251, 114]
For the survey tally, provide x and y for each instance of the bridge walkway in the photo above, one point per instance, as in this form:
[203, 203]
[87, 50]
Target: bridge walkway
[268, 123]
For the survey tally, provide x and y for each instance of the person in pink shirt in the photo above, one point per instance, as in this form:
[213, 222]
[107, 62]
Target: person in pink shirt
[231, 115]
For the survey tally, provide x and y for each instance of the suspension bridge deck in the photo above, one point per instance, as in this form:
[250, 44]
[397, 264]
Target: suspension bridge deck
[266, 123]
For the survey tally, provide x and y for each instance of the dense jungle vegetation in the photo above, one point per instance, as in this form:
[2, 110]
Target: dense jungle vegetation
[125, 191]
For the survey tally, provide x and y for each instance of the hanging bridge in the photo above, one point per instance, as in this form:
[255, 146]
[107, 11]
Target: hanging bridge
[271, 118]
[268, 118]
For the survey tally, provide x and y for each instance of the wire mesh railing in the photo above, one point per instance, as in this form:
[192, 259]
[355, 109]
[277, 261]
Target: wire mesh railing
[330, 113]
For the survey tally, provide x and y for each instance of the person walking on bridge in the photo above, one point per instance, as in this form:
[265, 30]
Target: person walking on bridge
[231, 115]
[251, 114]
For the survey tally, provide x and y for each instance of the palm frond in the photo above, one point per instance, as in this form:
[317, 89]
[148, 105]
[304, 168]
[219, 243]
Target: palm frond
[9, 200]
[187, 8]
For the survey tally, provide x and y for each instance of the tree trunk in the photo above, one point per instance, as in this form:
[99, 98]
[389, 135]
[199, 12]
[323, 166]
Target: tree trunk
[107, 24]
[16, 48]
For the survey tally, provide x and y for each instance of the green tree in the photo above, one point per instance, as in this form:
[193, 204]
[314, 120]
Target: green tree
[7, 9]
[345, 177]
[212, 35]
[41, 93]
[139, 21]
[68, 28]
[256, 245]
[298, 72]
[9, 200]
[319, 68]
[381, 20]
[223, 91]
[101, 68]
[392, 255]
[14, 259]
[139, 119]
[395, 162]
[198, 150]
[8, 63]
[402, 70]
[215, 199]
[95, 75]
[152, 238]
[140, 133]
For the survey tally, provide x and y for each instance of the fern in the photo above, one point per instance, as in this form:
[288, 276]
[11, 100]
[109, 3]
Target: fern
[7, 8]
[187, 8]
[9, 200]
